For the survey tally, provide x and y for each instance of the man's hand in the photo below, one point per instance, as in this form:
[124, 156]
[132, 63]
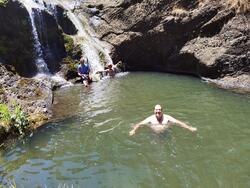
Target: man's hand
[132, 132]
[193, 129]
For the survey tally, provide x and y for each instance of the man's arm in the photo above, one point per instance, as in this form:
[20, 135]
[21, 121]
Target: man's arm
[182, 124]
[138, 125]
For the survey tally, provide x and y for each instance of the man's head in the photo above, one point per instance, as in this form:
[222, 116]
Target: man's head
[158, 111]
[83, 61]
[110, 66]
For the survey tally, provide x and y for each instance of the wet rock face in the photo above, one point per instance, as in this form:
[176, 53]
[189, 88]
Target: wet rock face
[16, 42]
[64, 22]
[51, 39]
[203, 38]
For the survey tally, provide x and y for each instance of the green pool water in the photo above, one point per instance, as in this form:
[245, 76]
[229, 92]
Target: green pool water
[87, 144]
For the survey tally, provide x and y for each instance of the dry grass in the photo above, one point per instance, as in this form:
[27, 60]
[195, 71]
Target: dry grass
[240, 6]
[180, 12]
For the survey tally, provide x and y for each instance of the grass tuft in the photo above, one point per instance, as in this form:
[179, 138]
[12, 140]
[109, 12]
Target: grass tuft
[179, 11]
[240, 6]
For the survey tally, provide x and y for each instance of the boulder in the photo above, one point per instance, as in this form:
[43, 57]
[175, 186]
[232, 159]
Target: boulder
[33, 95]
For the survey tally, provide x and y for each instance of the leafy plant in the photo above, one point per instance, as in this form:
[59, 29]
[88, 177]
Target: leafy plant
[3, 3]
[15, 117]
[20, 119]
[5, 115]
[102, 57]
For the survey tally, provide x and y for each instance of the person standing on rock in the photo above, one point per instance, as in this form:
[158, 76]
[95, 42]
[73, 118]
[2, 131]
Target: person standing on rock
[160, 122]
[83, 71]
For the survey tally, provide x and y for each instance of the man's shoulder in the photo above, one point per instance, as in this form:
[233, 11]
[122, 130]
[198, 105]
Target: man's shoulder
[151, 118]
[168, 117]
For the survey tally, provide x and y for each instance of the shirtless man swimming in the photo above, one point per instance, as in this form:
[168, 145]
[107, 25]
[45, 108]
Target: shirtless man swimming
[160, 122]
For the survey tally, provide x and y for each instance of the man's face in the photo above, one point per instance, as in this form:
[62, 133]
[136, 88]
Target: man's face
[158, 112]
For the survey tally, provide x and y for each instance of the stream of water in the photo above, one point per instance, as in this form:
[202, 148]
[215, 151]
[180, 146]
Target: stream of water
[87, 144]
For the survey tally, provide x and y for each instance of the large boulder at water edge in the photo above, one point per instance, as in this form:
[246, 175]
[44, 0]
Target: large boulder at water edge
[202, 38]
[16, 41]
[33, 95]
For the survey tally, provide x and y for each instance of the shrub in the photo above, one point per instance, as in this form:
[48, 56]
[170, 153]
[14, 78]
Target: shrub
[102, 57]
[180, 12]
[5, 115]
[3, 3]
[14, 118]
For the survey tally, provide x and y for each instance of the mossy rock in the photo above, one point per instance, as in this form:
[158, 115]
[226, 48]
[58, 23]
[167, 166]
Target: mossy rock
[25, 82]
[28, 89]
[69, 68]
[68, 42]
[102, 57]
[36, 120]
[73, 50]
[71, 63]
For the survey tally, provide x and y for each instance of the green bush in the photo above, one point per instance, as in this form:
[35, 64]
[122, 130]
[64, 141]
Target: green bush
[5, 115]
[69, 44]
[3, 3]
[13, 118]
[73, 50]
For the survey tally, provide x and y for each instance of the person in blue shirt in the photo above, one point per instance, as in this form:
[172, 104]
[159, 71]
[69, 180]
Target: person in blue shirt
[83, 71]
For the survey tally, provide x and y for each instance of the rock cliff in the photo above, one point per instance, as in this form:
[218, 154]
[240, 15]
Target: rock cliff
[201, 38]
[17, 41]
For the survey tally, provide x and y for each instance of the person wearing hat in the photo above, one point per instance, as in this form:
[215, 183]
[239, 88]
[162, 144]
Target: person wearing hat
[160, 122]
[83, 71]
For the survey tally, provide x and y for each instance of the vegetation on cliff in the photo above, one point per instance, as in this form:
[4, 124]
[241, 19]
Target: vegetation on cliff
[3, 3]
[74, 53]
[12, 120]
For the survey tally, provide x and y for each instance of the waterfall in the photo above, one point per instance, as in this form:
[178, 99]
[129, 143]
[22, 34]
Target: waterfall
[92, 48]
[40, 62]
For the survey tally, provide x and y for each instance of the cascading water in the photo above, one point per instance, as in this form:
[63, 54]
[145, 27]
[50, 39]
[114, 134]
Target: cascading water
[91, 47]
[43, 70]
[40, 62]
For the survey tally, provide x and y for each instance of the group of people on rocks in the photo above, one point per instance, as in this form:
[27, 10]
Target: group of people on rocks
[83, 70]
